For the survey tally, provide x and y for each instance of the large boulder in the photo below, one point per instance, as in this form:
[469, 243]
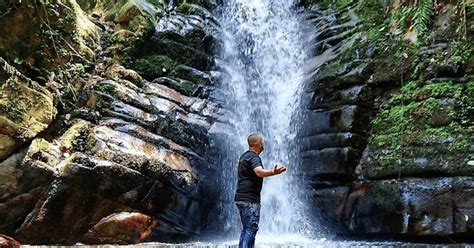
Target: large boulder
[121, 228]
[26, 109]
[8, 242]
[24, 177]
[46, 34]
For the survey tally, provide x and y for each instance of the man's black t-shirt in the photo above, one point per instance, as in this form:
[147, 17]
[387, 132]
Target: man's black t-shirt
[249, 184]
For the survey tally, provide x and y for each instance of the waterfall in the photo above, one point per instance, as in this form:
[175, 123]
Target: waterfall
[264, 46]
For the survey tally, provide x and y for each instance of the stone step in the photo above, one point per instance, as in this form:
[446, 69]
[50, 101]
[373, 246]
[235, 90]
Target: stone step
[330, 140]
[329, 98]
[329, 162]
[416, 161]
[349, 118]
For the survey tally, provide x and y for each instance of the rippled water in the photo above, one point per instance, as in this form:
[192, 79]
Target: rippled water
[285, 241]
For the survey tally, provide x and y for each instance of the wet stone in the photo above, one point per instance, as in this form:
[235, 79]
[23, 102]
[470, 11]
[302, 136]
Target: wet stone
[329, 162]
[344, 119]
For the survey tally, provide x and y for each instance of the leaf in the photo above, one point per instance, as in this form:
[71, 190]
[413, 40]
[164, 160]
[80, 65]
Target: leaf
[423, 15]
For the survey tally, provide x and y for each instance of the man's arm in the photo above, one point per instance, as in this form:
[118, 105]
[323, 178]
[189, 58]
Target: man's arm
[261, 172]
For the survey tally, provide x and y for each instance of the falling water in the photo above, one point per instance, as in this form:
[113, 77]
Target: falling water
[264, 47]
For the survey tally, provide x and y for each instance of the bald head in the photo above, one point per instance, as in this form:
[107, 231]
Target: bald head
[255, 140]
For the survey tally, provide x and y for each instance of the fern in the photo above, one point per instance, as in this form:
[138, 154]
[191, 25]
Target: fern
[470, 10]
[402, 17]
[423, 14]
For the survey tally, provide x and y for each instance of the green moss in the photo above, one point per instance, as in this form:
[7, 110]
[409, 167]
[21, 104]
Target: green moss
[106, 88]
[410, 119]
[14, 106]
[465, 105]
[402, 18]
[390, 49]
[372, 14]
[329, 3]
[113, 8]
[191, 8]
[154, 66]
[462, 53]
[386, 196]
[417, 91]
[443, 89]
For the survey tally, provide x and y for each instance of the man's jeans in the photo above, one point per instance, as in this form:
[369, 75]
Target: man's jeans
[249, 215]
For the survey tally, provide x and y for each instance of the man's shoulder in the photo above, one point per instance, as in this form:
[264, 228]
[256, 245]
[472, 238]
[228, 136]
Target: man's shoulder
[249, 155]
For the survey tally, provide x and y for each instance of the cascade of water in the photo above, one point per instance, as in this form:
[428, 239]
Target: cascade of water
[264, 48]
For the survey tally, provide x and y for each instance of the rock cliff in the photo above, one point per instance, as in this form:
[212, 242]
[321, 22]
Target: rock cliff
[104, 116]
[388, 137]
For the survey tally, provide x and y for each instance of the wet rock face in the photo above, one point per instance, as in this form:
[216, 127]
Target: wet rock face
[387, 138]
[114, 153]
[440, 206]
[9, 242]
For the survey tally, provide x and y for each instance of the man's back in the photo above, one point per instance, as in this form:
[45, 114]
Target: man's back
[249, 185]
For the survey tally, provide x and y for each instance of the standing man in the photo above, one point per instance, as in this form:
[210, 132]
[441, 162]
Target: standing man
[249, 185]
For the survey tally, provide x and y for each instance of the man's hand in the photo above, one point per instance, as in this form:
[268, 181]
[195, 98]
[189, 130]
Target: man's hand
[260, 172]
[278, 169]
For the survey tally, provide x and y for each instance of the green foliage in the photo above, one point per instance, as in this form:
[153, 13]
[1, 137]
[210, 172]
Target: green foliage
[106, 88]
[462, 53]
[419, 15]
[332, 3]
[402, 18]
[372, 14]
[465, 105]
[387, 197]
[154, 66]
[413, 117]
[190, 9]
[469, 10]
[423, 15]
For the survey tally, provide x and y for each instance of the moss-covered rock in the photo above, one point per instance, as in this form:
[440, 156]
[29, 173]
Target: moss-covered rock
[133, 19]
[181, 85]
[410, 62]
[422, 129]
[386, 196]
[76, 137]
[84, 135]
[46, 35]
[155, 66]
[26, 109]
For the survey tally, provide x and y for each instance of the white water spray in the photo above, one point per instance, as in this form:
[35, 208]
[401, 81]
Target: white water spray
[262, 57]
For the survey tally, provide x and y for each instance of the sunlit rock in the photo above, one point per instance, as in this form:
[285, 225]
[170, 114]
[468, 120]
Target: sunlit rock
[121, 228]
[26, 108]
[8, 242]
